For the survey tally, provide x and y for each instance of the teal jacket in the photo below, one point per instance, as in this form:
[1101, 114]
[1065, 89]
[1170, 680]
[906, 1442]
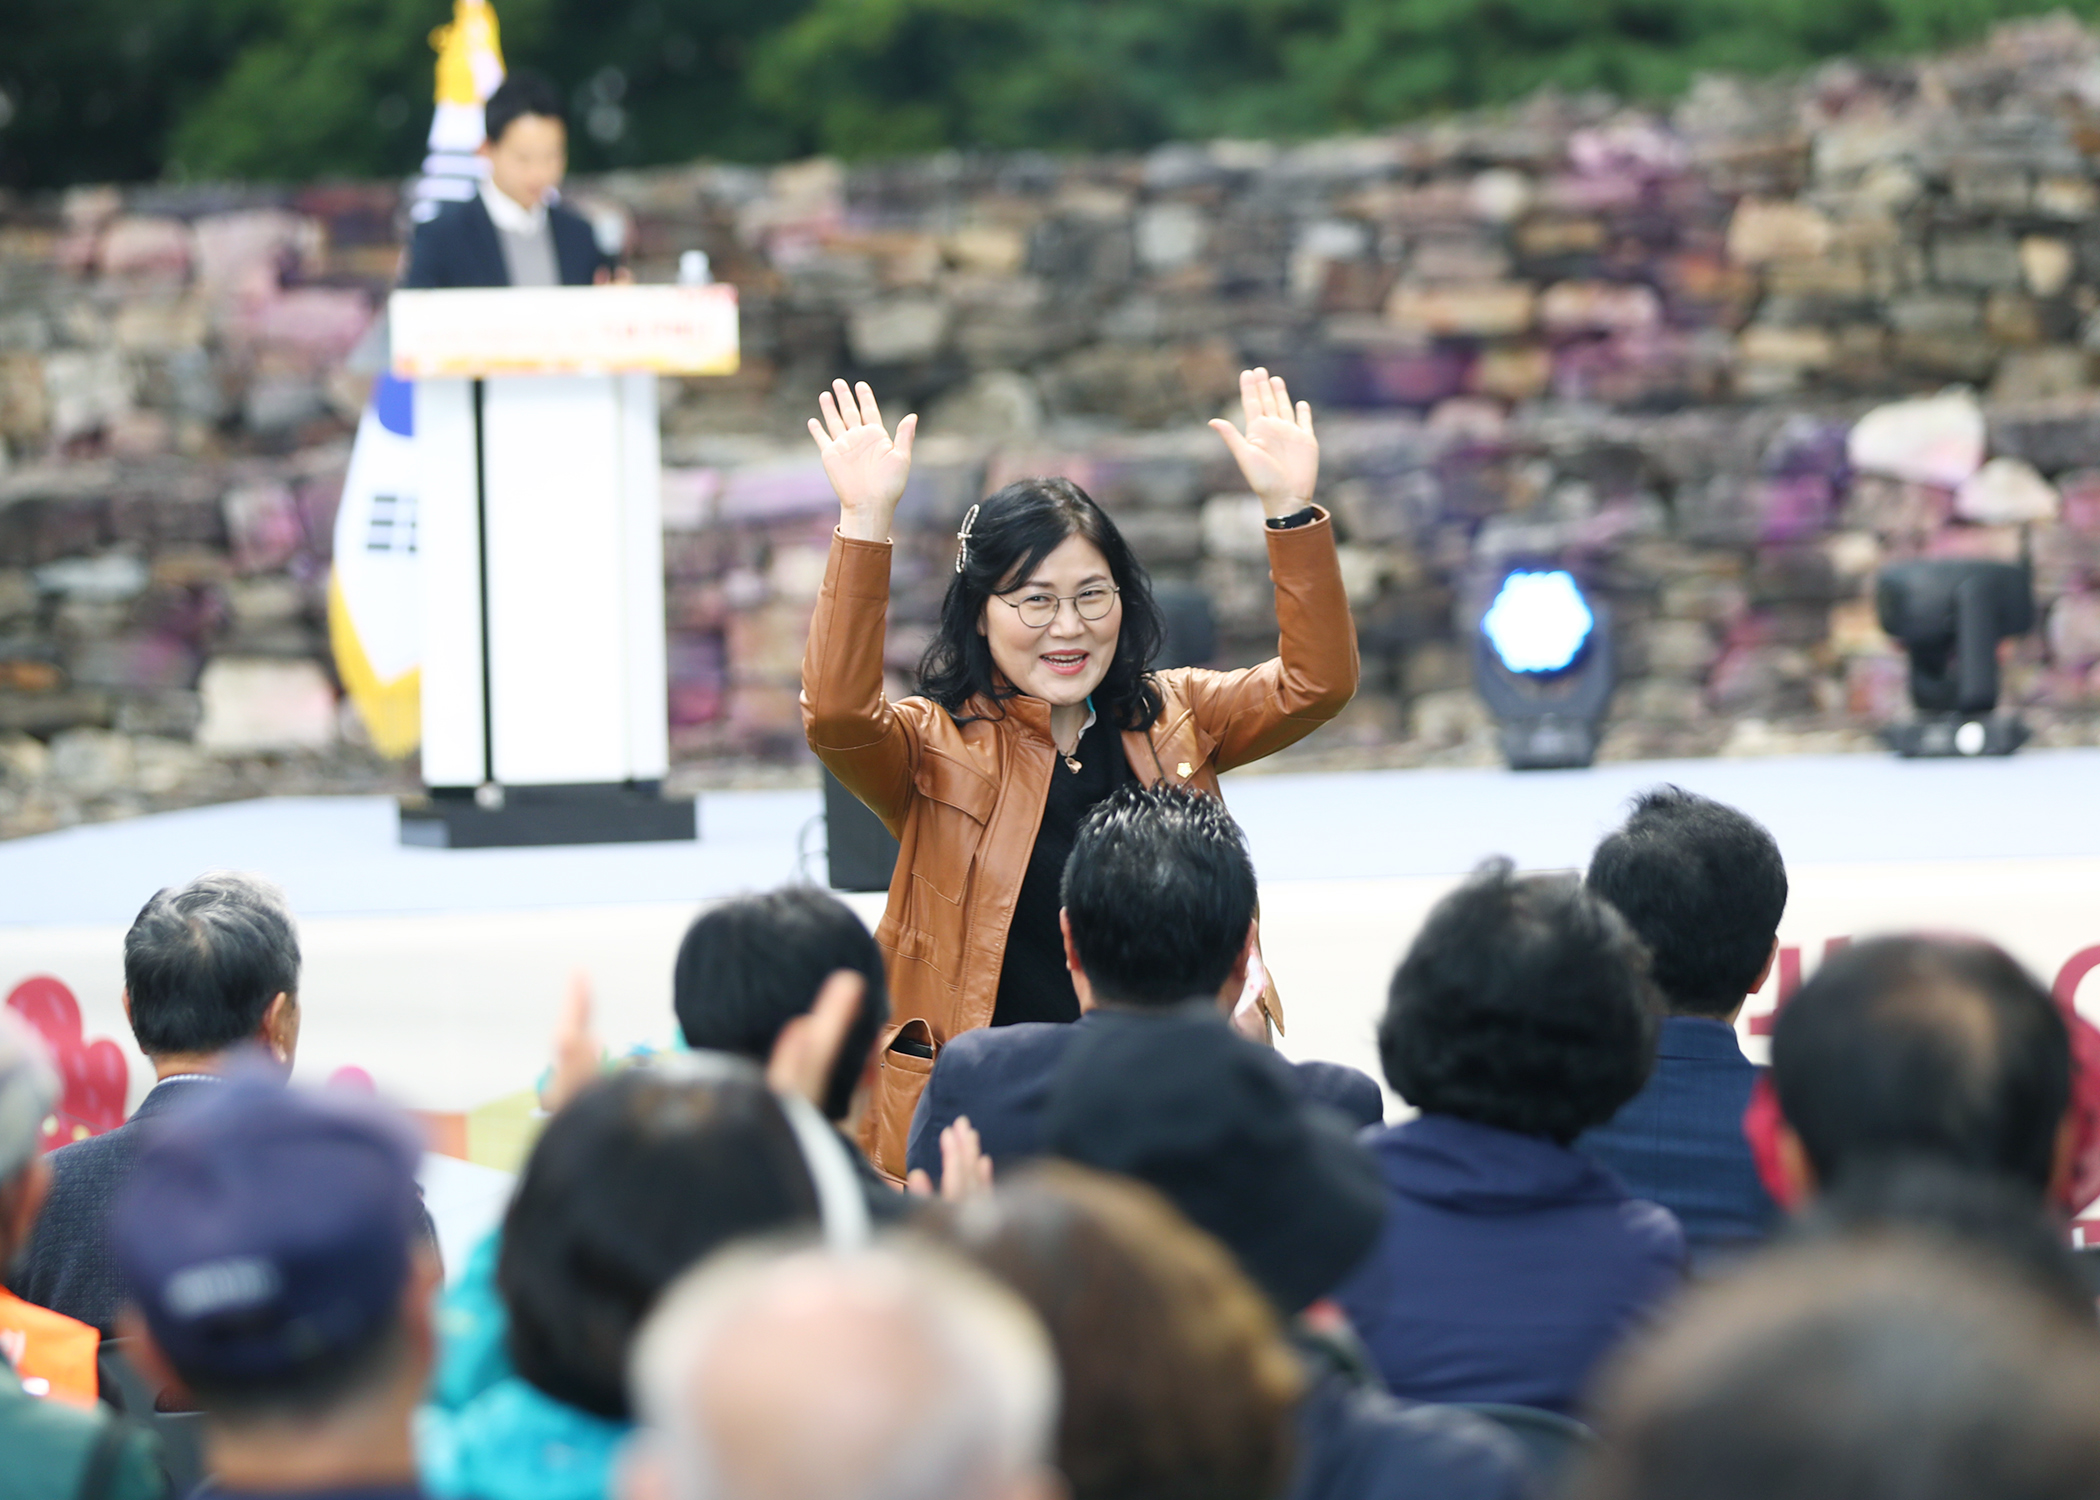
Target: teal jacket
[44, 1448]
[487, 1433]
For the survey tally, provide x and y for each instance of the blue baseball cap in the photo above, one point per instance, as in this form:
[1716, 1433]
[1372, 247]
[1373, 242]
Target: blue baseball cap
[265, 1227]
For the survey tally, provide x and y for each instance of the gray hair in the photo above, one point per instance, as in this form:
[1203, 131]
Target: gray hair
[969, 1409]
[28, 1093]
[202, 962]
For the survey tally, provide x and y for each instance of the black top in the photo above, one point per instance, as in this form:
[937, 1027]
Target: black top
[460, 248]
[1033, 982]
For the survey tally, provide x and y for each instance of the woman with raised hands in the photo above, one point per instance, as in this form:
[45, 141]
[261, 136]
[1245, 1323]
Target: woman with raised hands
[1037, 700]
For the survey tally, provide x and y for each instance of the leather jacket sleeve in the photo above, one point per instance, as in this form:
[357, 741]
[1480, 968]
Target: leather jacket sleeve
[1258, 710]
[846, 717]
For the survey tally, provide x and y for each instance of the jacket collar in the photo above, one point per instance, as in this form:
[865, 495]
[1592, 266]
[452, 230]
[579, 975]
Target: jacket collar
[1699, 1037]
[164, 1094]
[510, 216]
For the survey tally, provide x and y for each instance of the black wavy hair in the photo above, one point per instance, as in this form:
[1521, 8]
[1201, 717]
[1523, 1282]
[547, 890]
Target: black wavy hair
[1910, 1047]
[1015, 530]
[1524, 1003]
[640, 1176]
[1704, 886]
[1160, 893]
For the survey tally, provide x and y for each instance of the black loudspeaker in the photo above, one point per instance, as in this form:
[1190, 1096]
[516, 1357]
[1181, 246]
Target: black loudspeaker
[858, 850]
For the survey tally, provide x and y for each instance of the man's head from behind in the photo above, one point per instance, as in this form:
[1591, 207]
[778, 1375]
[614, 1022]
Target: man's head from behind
[751, 965]
[28, 1093]
[527, 143]
[212, 965]
[1856, 1372]
[271, 1241]
[889, 1374]
[1159, 900]
[1939, 1048]
[1704, 887]
[1524, 1003]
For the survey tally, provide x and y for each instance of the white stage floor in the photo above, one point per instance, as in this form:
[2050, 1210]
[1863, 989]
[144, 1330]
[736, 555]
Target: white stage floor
[439, 971]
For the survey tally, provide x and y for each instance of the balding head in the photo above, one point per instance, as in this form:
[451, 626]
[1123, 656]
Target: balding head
[1933, 1048]
[880, 1375]
[1882, 1370]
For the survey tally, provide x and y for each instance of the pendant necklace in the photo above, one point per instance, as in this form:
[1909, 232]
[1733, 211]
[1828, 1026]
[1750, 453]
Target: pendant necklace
[1072, 760]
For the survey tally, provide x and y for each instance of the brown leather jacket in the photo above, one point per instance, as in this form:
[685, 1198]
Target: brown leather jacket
[965, 799]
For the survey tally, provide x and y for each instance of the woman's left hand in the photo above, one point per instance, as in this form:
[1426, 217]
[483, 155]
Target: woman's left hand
[1278, 455]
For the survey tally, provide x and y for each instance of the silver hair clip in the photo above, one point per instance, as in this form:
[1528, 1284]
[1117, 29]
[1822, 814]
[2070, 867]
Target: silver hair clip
[962, 538]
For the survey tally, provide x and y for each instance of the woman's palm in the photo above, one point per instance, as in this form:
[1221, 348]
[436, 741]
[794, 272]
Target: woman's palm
[865, 467]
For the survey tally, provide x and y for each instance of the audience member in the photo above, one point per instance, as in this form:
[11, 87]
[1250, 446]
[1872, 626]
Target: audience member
[1972, 1213]
[271, 1242]
[1932, 1047]
[750, 966]
[884, 1374]
[1159, 903]
[641, 1175]
[1510, 1262]
[56, 1444]
[1178, 1380]
[211, 974]
[1885, 1372]
[1704, 888]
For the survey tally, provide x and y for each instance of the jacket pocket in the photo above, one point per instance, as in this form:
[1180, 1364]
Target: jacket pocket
[907, 1057]
[955, 804]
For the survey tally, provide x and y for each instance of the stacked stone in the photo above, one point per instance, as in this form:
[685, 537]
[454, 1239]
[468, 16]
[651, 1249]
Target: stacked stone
[1629, 342]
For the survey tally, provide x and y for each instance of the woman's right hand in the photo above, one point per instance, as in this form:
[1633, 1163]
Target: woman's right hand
[866, 469]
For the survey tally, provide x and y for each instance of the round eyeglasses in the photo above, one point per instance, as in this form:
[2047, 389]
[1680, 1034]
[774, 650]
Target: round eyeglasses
[1038, 609]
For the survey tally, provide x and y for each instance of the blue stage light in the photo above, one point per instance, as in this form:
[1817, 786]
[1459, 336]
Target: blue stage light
[1538, 622]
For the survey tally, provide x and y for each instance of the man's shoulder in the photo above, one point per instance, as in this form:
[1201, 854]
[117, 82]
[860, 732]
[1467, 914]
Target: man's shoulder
[1357, 1440]
[47, 1443]
[1004, 1048]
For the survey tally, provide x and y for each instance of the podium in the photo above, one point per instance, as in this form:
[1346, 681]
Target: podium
[539, 534]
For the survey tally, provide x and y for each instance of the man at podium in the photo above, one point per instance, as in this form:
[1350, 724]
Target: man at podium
[509, 233]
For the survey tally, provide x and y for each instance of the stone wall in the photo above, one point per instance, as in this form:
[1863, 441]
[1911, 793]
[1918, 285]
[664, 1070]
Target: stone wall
[1632, 341]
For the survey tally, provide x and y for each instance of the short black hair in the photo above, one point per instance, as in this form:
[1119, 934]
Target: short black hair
[522, 92]
[1524, 1003]
[751, 965]
[1923, 1046]
[1703, 886]
[202, 962]
[638, 1177]
[1160, 893]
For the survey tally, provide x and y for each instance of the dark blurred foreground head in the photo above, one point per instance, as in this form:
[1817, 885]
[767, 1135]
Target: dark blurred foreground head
[1177, 1382]
[1886, 1371]
[641, 1175]
[1932, 1047]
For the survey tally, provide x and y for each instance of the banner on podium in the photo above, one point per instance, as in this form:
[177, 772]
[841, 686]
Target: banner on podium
[471, 333]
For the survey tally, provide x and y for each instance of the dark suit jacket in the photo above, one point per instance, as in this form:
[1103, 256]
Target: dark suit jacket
[459, 248]
[1000, 1077]
[69, 1267]
[1680, 1142]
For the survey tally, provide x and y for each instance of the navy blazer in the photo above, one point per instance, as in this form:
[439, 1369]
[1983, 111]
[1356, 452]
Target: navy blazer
[1680, 1140]
[460, 248]
[1000, 1077]
[1508, 1265]
[69, 1267]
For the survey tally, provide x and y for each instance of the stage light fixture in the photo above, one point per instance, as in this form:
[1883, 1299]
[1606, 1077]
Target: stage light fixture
[1542, 661]
[1950, 614]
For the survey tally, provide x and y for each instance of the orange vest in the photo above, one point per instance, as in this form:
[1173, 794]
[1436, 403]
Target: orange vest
[50, 1348]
